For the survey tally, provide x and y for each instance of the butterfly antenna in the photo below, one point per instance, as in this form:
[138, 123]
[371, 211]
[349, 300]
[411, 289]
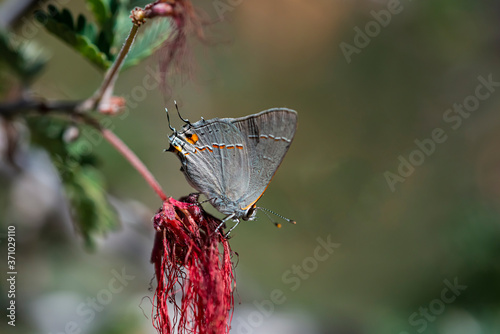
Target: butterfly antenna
[178, 113]
[278, 225]
[207, 200]
[276, 214]
[168, 119]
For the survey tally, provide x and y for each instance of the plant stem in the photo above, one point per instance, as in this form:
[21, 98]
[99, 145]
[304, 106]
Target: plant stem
[107, 86]
[132, 158]
[9, 109]
[68, 107]
[105, 91]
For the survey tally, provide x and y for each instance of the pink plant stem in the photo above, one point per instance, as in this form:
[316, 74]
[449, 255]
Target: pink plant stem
[134, 161]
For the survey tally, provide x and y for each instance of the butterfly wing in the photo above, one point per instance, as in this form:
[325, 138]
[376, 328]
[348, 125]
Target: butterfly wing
[216, 163]
[267, 137]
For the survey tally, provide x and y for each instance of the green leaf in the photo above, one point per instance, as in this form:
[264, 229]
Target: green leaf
[148, 41]
[103, 42]
[101, 47]
[137, 3]
[66, 18]
[81, 24]
[90, 208]
[83, 183]
[100, 9]
[25, 58]
[88, 30]
[115, 5]
[58, 24]
[106, 13]
[122, 27]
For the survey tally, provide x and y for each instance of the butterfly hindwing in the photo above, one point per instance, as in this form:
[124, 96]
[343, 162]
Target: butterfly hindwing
[267, 135]
[232, 160]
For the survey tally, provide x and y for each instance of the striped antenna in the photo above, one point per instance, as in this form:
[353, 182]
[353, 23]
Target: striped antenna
[276, 214]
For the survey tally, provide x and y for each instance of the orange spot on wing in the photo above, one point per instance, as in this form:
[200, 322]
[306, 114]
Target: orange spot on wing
[204, 148]
[192, 138]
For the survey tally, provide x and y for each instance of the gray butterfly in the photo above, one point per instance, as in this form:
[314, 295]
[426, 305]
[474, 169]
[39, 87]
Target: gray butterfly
[232, 160]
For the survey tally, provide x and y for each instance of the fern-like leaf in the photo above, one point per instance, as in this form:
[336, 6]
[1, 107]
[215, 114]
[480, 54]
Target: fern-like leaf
[23, 57]
[82, 181]
[100, 9]
[148, 42]
[79, 36]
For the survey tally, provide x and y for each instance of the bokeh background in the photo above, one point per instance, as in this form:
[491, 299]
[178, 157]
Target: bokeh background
[397, 248]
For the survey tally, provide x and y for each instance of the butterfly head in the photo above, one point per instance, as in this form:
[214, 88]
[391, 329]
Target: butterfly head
[249, 214]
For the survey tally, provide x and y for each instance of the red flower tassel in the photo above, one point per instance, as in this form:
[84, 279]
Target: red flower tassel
[193, 270]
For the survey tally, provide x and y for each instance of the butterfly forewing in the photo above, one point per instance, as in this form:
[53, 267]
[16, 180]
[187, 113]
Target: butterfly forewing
[232, 160]
[218, 166]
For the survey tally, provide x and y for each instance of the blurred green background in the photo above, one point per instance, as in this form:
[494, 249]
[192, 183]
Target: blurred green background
[396, 250]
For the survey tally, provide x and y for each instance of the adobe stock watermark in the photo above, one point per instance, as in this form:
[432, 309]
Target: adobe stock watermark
[223, 6]
[453, 117]
[363, 37]
[90, 137]
[87, 138]
[24, 37]
[87, 310]
[420, 319]
[31, 27]
[293, 278]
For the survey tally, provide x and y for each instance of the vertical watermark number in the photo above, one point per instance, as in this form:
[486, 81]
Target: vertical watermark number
[11, 274]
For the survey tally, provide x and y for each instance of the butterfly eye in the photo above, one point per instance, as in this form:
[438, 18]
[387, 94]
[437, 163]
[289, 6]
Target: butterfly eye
[191, 138]
[250, 213]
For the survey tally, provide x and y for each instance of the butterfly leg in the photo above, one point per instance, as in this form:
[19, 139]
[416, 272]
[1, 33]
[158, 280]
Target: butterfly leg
[232, 228]
[223, 221]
